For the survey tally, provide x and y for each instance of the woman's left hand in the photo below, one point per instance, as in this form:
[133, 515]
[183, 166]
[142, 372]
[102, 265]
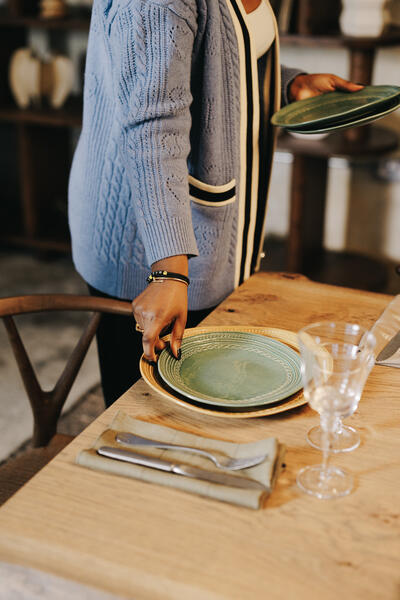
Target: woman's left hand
[307, 86]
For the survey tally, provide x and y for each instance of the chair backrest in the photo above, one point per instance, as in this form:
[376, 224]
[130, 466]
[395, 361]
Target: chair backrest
[47, 405]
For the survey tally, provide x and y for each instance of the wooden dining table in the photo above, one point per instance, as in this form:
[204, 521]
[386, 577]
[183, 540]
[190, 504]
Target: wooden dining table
[143, 541]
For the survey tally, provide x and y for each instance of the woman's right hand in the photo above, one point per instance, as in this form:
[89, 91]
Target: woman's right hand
[161, 304]
[158, 306]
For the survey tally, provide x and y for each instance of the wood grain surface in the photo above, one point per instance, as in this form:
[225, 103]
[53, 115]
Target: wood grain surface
[142, 541]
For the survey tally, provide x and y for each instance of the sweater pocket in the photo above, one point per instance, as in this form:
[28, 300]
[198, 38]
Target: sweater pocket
[213, 220]
[212, 195]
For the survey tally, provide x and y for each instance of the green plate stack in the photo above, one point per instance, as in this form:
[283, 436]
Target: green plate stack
[338, 110]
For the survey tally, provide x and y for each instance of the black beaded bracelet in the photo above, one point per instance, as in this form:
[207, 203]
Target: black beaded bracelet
[157, 275]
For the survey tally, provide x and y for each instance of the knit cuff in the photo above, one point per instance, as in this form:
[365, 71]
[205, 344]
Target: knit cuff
[288, 75]
[168, 238]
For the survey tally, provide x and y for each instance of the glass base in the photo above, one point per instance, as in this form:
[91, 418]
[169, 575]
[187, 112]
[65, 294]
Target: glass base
[345, 441]
[333, 483]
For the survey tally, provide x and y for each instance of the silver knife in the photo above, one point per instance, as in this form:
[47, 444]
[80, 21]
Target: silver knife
[391, 347]
[178, 469]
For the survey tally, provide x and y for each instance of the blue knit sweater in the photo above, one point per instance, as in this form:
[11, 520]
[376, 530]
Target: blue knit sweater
[166, 163]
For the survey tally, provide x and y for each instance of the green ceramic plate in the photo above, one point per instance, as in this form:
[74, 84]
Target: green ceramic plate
[353, 122]
[232, 369]
[346, 119]
[328, 107]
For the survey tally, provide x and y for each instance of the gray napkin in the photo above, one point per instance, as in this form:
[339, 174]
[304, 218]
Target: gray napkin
[385, 328]
[265, 473]
[25, 583]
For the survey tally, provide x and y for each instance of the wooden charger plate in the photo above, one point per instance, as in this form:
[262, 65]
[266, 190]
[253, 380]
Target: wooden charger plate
[150, 375]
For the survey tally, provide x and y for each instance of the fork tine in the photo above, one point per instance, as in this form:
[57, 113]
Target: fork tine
[243, 463]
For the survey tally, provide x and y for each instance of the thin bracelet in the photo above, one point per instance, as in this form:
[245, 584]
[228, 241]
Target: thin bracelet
[167, 275]
[162, 279]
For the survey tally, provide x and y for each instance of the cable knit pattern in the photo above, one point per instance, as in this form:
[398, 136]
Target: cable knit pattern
[161, 101]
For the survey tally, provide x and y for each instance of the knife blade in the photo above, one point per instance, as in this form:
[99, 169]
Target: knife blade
[179, 469]
[391, 347]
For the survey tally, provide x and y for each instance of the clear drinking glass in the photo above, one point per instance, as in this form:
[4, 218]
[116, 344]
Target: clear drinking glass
[336, 361]
[344, 438]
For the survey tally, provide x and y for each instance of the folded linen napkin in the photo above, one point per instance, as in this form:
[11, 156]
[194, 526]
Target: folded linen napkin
[265, 473]
[24, 583]
[385, 328]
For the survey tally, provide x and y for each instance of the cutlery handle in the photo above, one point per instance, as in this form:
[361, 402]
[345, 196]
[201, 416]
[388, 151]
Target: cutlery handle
[137, 459]
[131, 439]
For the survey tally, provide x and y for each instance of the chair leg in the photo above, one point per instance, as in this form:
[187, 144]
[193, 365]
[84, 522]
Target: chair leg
[45, 418]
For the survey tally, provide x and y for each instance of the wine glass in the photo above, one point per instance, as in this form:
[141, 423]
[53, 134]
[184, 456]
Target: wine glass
[336, 360]
[345, 438]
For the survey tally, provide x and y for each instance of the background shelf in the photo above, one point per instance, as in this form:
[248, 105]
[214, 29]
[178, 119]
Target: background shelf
[69, 115]
[67, 23]
[389, 38]
[360, 142]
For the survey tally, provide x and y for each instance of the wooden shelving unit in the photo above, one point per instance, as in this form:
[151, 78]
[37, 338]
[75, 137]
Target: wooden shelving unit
[69, 115]
[361, 50]
[68, 23]
[42, 142]
[304, 252]
[374, 141]
[390, 38]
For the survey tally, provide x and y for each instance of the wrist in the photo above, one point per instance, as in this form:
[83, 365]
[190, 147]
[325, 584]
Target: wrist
[175, 264]
[294, 86]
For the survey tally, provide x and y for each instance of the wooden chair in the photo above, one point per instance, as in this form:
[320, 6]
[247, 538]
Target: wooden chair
[47, 405]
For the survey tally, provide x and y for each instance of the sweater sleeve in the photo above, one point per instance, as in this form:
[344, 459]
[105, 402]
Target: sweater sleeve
[154, 51]
[287, 76]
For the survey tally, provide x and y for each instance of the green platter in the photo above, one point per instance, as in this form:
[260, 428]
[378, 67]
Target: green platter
[232, 369]
[346, 119]
[334, 105]
[389, 108]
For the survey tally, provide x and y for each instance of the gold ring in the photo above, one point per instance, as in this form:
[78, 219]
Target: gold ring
[138, 328]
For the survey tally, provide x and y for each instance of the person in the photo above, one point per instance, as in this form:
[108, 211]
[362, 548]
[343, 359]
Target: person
[172, 167]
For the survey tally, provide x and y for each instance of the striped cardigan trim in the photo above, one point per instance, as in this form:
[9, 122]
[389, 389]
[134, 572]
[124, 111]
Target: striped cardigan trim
[251, 212]
[210, 195]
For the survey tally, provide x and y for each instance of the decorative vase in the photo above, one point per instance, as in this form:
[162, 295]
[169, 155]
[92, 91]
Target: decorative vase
[24, 78]
[363, 18]
[32, 79]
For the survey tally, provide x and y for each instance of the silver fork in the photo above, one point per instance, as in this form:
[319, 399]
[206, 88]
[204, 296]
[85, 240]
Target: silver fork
[230, 464]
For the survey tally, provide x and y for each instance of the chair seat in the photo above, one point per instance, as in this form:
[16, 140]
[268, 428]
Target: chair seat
[17, 471]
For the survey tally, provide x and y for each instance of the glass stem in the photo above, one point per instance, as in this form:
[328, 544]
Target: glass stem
[327, 426]
[338, 426]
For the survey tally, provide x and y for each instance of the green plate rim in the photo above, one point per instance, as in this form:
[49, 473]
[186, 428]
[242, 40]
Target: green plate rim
[278, 118]
[352, 123]
[384, 106]
[266, 341]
